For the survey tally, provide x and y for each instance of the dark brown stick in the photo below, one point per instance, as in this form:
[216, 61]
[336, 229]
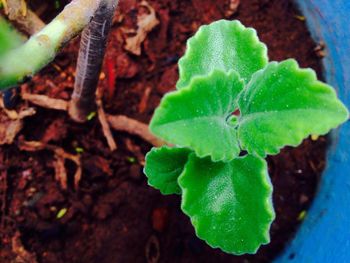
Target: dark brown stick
[91, 54]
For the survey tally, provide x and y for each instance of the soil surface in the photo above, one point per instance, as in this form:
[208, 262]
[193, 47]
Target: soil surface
[114, 216]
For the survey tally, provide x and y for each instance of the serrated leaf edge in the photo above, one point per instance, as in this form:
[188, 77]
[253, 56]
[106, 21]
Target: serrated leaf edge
[159, 149]
[268, 204]
[189, 45]
[309, 73]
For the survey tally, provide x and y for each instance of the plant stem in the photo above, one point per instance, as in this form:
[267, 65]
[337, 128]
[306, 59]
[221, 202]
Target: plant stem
[9, 39]
[91, 54]
[26, 60]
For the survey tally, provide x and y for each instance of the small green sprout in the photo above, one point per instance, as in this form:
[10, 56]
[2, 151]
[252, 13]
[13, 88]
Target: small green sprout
[61, 213]
[79, 150]
[57, 4]
[91, 115]
[302, 215]
[131, 159]
[217, 164]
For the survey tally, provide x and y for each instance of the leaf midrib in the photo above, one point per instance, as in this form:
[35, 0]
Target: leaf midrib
[216, 118]
[255, 115]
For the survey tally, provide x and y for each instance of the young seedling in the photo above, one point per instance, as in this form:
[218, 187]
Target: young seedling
[217, 164]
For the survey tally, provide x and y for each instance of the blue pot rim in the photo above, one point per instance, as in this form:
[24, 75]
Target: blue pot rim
[324, 236]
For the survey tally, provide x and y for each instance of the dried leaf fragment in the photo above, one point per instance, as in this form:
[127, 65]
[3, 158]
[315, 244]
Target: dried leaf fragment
[17, 11]
[136, 150]
[144, 100]
[55, 131]
[22, 255]
[11, 123]
[45, 101]
[123, 123]
[232, 8]
[145, 22]
[60, 156]
[9, 129]
[104, 123]
[60, 171]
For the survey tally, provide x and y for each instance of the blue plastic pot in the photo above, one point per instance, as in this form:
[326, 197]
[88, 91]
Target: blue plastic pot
[324, 236]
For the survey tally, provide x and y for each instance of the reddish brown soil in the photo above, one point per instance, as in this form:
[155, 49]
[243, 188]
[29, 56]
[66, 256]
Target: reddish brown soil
[114, 216]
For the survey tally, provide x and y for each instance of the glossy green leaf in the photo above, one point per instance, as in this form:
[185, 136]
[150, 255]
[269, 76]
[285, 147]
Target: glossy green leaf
[229, 203]
[284, 104]
[198, 116]
[163, 167]
[225, 45]
[9, 37]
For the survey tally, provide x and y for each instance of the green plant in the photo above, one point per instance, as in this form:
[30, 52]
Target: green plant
[9, 38]
[20, 62]
[232, 107]
[23, 62]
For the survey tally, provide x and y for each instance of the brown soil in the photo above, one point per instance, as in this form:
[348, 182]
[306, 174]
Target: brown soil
[114, 216]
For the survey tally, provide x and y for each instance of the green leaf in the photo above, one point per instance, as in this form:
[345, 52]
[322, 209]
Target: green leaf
[284, 104]
[229, 203]
[198, 116]
[225, 45]
[9, 37]
[163, 166]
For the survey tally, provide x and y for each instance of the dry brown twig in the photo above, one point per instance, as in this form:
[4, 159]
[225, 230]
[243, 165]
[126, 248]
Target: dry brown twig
[232, 8]
[14, 115]
[60, 156]
[45, 101]
[12, 122]
[123, 123]
[58, 104]
[136, 150]
[145, 22]
[116, 122]
[103, 120]
[144, 99]
[18, 11]
[22, 255]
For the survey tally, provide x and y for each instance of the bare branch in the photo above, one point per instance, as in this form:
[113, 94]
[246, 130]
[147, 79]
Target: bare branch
[123, 123]
[104, 123]
[91, 53]
[60, 156]
[116, 122]
[45, 101]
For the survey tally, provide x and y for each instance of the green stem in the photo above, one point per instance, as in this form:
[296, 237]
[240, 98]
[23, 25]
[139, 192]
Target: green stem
[26, 60]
